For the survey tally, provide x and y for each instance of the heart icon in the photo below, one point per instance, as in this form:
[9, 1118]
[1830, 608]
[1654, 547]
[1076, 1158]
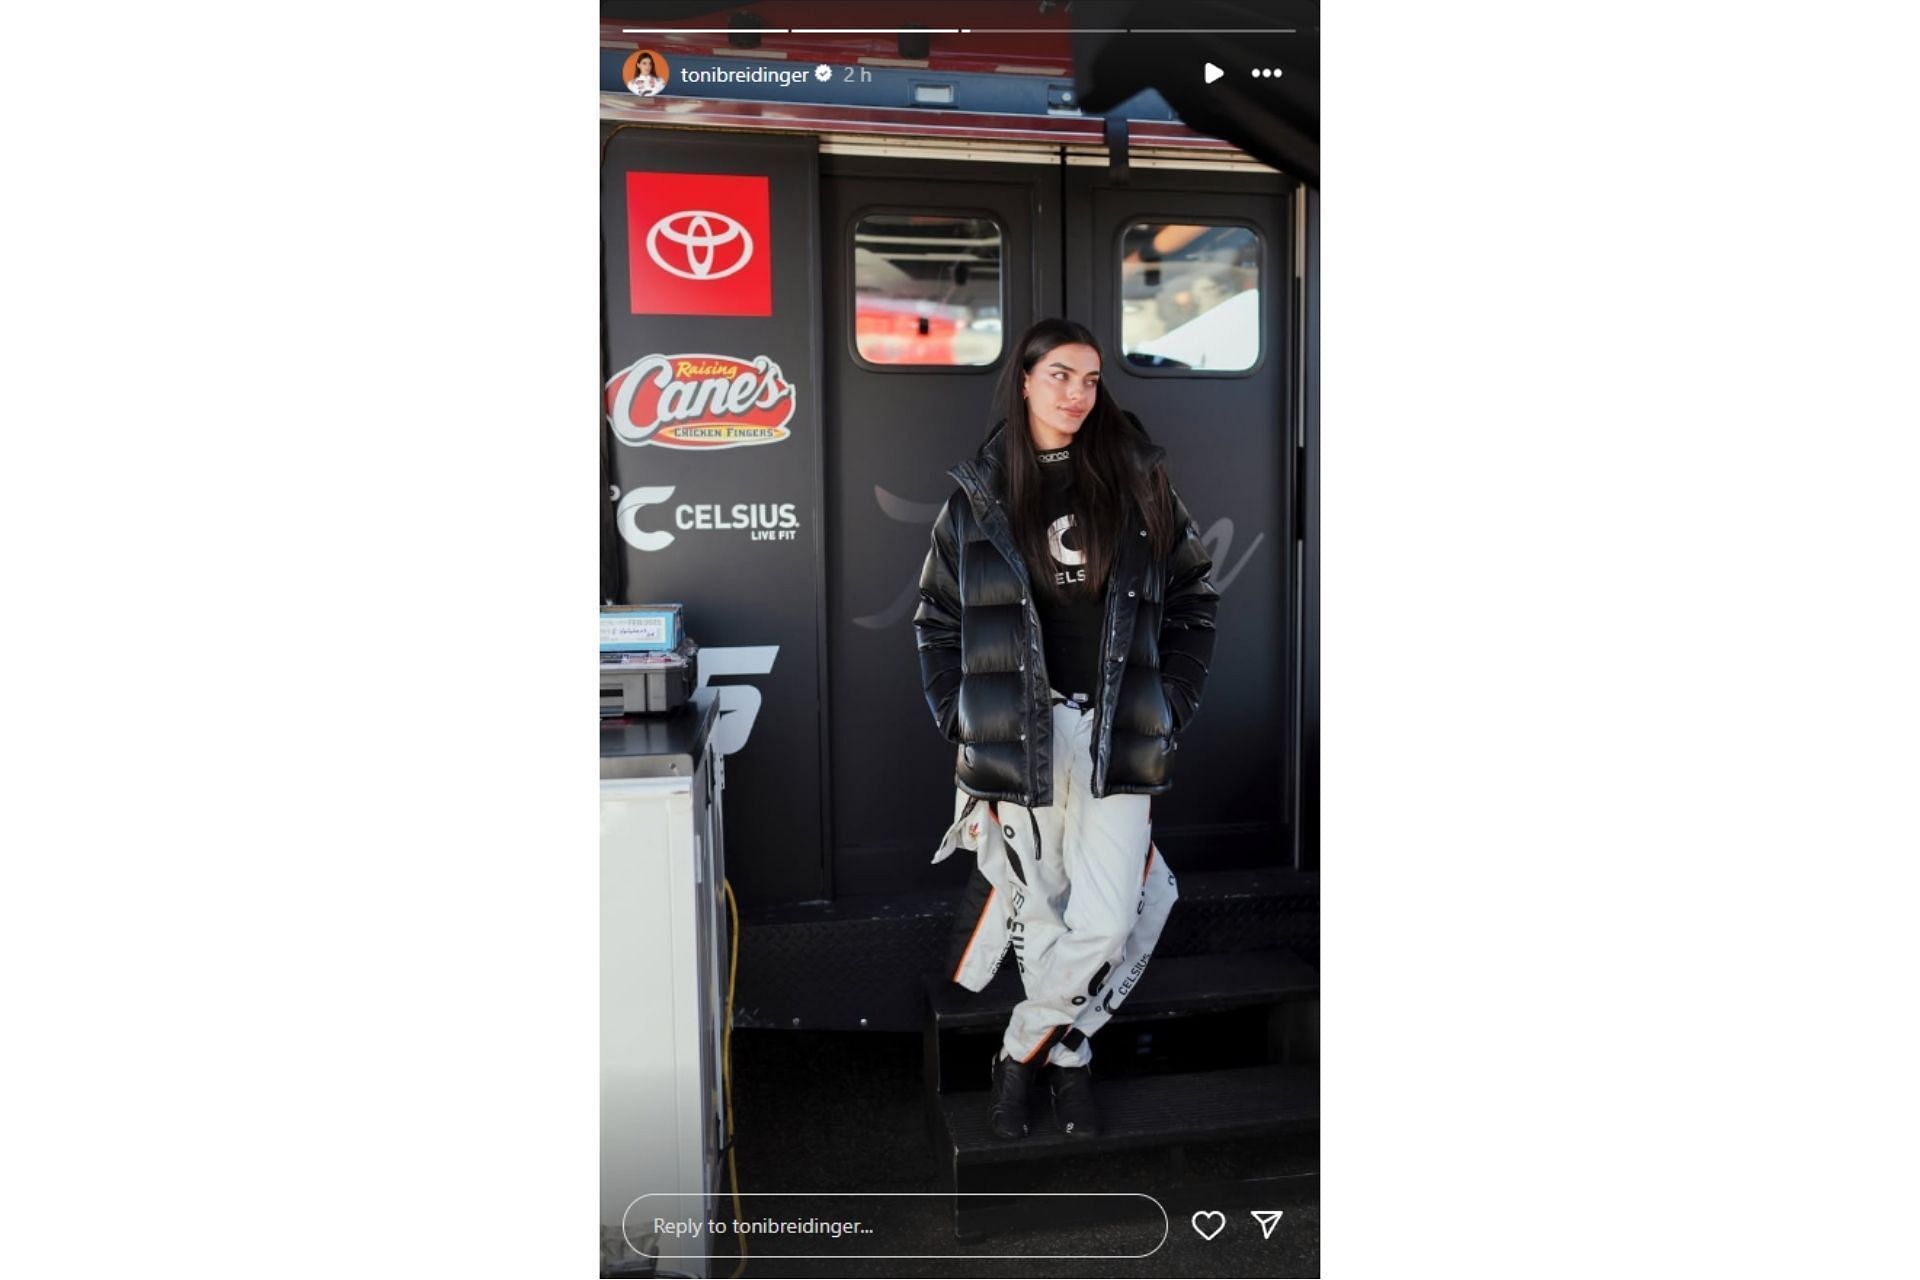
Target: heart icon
[1216, 1223]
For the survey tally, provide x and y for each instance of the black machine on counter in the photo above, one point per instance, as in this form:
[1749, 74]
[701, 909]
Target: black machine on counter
[648, 664]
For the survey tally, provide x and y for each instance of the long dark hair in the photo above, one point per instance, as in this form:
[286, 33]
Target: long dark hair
[1105, 471]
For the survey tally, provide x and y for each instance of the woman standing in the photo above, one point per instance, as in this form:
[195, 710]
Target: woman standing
[1065, 627]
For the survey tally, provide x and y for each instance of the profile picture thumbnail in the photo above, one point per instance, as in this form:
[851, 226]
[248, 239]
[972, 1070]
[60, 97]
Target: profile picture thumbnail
[645, 72]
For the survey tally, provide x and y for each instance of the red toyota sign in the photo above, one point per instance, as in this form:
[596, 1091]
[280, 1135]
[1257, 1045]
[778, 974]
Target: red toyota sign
[698, 244]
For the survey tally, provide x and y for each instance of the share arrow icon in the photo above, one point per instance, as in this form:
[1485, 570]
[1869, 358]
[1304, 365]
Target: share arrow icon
[1268, 1220]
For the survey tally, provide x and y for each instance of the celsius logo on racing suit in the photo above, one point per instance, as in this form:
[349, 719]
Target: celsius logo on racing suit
[700, 402]
[763, 521]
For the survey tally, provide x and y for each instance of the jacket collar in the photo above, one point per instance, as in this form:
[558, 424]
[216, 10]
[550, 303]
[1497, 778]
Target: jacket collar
[983, 476]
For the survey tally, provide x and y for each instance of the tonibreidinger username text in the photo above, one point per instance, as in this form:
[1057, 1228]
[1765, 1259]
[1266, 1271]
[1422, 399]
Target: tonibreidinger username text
[788, 76]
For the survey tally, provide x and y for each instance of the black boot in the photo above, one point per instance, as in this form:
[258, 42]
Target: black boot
[1008, 1114]
[1072, 1089]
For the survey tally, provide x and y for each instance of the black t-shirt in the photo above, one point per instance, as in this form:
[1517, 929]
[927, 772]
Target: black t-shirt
[1070, 627]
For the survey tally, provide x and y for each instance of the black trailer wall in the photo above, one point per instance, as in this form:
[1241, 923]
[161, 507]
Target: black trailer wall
[781, 487]
[710, 288]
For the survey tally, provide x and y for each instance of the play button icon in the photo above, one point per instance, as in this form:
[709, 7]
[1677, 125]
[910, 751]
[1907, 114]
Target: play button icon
[1213, 73]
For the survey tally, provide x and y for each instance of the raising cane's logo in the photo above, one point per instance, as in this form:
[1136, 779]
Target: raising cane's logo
[700, 402]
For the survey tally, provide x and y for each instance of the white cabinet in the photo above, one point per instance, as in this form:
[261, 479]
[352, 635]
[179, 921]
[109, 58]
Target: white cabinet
[663, 934]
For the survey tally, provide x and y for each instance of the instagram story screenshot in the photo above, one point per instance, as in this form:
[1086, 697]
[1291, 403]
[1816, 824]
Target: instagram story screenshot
[959, 639]
[1060, 809]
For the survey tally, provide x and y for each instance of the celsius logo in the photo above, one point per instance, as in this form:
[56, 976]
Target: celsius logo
[1057, 542]
[1075, 560]
[700, 402]
[763, 521]
[707, 245]
[627, 515]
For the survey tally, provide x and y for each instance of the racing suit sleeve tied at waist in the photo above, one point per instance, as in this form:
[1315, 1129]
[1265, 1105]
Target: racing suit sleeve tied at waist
[1072, 984]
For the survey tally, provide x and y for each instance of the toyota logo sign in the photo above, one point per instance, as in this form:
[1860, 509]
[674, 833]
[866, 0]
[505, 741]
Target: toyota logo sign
[700, 244]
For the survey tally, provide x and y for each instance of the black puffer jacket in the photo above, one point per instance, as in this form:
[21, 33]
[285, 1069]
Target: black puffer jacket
[983, 660]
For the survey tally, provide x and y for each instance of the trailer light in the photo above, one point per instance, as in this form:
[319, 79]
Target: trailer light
[933, 95]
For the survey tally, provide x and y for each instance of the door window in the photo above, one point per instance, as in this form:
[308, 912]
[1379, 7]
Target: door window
[1190, 297]
[927, 289]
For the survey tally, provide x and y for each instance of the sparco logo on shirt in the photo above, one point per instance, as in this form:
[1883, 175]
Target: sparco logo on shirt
[760, 521]
[700, 402]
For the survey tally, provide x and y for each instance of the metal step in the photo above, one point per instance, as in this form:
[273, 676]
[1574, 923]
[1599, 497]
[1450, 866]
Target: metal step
[1213, 990]
[1201, 1106]
[858, 963]
[1172, 986]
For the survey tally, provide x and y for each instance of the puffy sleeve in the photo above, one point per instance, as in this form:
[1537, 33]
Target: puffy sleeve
[1186, 618]
[936, 622]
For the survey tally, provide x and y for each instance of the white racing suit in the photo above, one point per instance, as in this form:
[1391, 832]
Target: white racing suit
[1076, 890]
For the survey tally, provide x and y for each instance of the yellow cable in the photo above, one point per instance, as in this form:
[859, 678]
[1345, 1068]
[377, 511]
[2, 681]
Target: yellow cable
[726, 1069]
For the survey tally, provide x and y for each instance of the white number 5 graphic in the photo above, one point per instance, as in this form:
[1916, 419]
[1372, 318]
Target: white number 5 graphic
[739, 703]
